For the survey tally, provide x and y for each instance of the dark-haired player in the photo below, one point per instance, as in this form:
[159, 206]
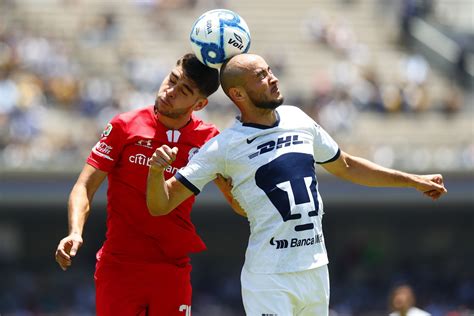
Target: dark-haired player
[143, 267]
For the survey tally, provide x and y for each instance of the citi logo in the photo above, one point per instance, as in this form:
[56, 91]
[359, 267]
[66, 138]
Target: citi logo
[173, 135]
[140, 159]
[237, 42]
[280, 244]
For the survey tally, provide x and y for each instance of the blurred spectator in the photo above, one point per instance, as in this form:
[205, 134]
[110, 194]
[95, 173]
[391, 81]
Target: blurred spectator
[339, 114]
[103, 28]
[402, 302]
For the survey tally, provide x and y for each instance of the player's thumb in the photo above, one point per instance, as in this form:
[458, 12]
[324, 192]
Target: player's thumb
[174, 151]
[74, 248]
[438, 187]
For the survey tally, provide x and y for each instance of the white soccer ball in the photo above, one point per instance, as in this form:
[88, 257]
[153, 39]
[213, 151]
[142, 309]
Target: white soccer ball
[218, 35]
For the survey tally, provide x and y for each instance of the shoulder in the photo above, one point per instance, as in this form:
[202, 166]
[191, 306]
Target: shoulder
[290, 109]
[201, 131]
[292, 112]
[292, 116]
[133, 121]
[220, 143]
[200, 125]
[126, 118]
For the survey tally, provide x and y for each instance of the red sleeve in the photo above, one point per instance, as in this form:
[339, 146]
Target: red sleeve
[106, 152]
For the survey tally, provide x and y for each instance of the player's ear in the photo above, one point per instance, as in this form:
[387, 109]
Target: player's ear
[200, 104]
[236, 94]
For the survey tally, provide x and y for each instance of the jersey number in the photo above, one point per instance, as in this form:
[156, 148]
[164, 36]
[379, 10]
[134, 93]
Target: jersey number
[186, 309]
[289, 181]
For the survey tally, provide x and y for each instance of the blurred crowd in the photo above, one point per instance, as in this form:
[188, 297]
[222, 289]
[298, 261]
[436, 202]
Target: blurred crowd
[356, 83]
[53, 107]
[217, 294]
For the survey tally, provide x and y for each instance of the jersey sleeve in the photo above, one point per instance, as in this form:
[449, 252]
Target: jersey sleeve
[105, 153]
[203, 167]
[325, 147]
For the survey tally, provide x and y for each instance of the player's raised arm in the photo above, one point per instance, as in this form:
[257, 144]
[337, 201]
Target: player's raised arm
[164, 196]
[364, 172]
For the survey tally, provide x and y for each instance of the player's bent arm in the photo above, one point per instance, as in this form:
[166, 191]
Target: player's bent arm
[365, 172]
[164, 196]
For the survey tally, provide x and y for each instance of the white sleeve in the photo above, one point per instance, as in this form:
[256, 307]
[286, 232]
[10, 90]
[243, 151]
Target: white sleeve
[203, 166]
[325, 147]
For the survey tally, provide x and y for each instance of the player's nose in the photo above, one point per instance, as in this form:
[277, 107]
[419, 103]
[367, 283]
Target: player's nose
[171, 92]
[273, 79]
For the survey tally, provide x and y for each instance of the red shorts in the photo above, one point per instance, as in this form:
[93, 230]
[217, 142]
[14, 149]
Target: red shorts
[151, 289]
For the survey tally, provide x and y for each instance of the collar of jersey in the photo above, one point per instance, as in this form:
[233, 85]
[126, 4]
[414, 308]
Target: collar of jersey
[163, 127]
[260, 126]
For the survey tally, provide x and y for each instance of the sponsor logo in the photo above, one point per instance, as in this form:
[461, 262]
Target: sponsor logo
[209, 26]
[173, 135]
[103, 150]
[145, 143]
[250, 140]
[192, 152]
[280, 142]
[107, 130]
[237, 42]
[296, 242]
[142, 160]
[283, 243]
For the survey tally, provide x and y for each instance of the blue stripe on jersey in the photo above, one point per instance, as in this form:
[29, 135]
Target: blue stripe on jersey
[332, 159]
[186, 183]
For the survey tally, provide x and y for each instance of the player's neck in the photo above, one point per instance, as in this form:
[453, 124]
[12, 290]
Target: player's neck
[173, 123]
[266, 117]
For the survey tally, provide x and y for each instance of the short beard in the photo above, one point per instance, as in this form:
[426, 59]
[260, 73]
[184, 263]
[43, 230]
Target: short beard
[171, 115]
[269, 105]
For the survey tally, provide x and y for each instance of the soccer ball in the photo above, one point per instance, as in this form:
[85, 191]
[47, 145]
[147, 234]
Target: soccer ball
[218, 35]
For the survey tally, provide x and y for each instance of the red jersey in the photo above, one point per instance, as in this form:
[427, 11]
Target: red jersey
[124, 151]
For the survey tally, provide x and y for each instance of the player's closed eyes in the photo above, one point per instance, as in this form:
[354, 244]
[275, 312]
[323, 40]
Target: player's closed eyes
[181, 90]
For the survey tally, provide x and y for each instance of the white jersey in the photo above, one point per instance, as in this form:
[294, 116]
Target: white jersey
[274, 181]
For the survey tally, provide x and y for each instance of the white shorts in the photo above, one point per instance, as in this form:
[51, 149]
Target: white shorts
[303, 293]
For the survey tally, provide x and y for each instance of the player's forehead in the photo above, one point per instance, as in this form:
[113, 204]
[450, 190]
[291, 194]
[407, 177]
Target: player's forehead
[256, 64]
[178, 74]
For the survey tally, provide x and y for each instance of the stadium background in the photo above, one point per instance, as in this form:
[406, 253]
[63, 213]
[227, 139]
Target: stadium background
[391, 80]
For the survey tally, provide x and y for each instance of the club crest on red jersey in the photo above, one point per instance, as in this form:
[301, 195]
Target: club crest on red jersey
[107, 130]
